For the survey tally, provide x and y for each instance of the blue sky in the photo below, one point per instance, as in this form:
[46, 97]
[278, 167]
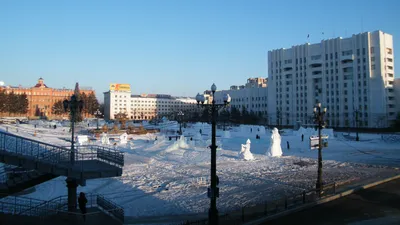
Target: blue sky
[166, 46]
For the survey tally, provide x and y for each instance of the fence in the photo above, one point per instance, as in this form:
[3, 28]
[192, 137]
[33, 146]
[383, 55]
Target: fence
[251, 212]
[43, 209]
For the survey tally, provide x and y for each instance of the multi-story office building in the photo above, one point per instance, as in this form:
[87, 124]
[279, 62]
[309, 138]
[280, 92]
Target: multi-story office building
[119, 99]
[252, 96]
[41, 98]
[343, 74]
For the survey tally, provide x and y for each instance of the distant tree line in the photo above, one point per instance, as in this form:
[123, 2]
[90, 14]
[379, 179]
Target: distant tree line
[230, 115]
[13, 104]
[90, 105]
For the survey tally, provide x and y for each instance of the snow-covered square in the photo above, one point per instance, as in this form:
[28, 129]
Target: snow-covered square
[165, 174]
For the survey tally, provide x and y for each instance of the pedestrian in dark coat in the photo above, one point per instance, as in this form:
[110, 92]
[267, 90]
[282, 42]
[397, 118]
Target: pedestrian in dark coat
[82, 204]
[302, 137]
[288, 146]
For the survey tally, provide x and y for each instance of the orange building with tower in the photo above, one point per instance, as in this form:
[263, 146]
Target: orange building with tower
[41, 98]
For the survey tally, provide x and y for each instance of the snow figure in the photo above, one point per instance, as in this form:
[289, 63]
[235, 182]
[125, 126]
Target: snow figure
[82, 139]
[104, 139]
[245, 151]
[227, 134]
[275, 149]
[123, 139]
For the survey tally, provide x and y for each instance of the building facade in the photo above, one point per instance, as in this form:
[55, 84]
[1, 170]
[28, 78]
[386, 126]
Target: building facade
[344, 74]
[252, 96]
[41, 98]
[144, 106]
[397, 93]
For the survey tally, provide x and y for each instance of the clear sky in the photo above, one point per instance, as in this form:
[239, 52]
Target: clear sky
[166, 46]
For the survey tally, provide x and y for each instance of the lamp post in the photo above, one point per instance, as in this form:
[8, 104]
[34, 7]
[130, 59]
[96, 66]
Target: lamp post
[75, 106]
[97, 114]
[357, 137]
[319, 118]
[180, 115]
[213, 191]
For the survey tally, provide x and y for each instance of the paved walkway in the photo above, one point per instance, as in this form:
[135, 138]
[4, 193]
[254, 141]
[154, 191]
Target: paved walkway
[377, 205]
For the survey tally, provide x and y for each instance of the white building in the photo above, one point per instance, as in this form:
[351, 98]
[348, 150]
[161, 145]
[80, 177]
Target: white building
[344, 74]
[144, 106]
[252, 96]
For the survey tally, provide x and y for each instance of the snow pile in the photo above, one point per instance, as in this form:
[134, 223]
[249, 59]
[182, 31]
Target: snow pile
[252, 129]
[308, 132]
[179, 144]
[245, 151]
[275, 149]
[227, 134]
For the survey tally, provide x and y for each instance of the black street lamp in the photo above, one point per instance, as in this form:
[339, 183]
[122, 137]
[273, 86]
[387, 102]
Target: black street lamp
[357, 137]
[180, 115]
[213, 192]
[319, 118]
[97, 114]
[75, 106]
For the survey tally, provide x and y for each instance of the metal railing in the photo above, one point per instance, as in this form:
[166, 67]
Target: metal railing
[111, 207]
[52, 154]
[15, 205]
[251, 212]
[42, 209]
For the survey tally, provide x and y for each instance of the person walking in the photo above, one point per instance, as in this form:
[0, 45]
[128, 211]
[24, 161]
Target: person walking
[82, 204]
[302, 137]
[288, 145]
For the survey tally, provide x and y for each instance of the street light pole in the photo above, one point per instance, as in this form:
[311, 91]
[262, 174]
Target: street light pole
[75, 106]
[97, 114]
[213, 192]
[319, 117]
[180, 114]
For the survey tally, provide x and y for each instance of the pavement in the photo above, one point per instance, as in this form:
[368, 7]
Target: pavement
[376, 205]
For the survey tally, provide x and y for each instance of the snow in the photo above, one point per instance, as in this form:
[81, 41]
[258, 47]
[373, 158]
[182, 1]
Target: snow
[169, 177]
[245, 151]
[275, 149]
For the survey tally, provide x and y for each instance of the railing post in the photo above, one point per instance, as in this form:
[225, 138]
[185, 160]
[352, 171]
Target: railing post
[304, 197]
[242, 214]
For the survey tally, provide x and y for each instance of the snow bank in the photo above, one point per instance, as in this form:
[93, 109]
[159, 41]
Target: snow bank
[307, 132]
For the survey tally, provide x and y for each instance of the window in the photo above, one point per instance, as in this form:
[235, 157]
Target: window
[372, 59]
[389, 51]
[372, 50]
[389, 60]
[372, 67]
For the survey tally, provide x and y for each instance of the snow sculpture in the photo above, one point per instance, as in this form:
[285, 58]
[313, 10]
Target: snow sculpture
[82, 139]
[245, 151]
[275, 149]
[123, 139]
[104, 139]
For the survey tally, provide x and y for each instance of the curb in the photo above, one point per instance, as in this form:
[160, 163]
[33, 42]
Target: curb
[322, 201]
